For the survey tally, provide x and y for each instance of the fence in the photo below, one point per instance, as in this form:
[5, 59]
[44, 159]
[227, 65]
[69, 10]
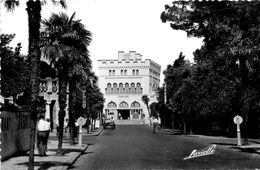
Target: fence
[15, 136]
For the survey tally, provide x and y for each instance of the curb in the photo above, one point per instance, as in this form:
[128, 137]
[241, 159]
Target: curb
[75, 159]
[97, 134]
[78, 155]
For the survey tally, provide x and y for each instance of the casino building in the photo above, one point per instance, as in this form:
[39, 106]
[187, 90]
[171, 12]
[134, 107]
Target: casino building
[124, 81]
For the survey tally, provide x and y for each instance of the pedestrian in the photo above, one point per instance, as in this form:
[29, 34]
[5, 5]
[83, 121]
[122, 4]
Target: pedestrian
[155, 124]
[57, 128]
[159, 122]
[88, 124]
[43, 129]
[75, 131]
[66, 128]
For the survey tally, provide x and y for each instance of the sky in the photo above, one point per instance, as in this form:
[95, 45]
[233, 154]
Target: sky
[116, 25]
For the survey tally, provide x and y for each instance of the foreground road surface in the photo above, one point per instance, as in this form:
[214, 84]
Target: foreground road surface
[136, 147]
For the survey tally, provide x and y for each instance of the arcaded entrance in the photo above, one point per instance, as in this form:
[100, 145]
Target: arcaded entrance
[124, 114]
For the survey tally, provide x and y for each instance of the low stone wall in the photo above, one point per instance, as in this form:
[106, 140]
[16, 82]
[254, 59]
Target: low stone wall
[15, 136]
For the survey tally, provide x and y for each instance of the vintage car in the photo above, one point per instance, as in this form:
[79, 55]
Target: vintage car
[109, 123]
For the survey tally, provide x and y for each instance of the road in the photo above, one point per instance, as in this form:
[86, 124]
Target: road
[136, 147]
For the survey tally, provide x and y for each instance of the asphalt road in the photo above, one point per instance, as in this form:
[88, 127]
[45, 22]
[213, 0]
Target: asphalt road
[136, 147]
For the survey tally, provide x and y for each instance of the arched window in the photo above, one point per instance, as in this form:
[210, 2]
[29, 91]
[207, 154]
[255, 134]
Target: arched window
[108, 90]
[114, 88]
[123, 105]
[135, 104]
[138, 88]
[111, 105]
[120, 88]
[132, 88]
[126, 88]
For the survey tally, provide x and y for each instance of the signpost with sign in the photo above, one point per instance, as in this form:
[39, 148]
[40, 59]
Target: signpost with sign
[84, 99]
[81, 121]
[238, 120]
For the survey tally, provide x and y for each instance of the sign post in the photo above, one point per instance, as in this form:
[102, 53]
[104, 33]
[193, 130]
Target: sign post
[238, 120]
[84, 99]
[81, 121]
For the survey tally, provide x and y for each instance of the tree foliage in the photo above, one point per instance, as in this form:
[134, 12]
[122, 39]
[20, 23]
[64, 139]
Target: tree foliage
[65, 42]
[15, 73]
[223, 81]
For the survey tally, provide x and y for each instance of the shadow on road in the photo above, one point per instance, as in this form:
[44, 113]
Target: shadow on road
[45, 165]
[224, 144]
[66, 150]
[254, 150]
[87, 153]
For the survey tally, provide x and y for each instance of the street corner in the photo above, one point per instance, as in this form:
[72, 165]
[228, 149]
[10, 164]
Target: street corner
[96, 132]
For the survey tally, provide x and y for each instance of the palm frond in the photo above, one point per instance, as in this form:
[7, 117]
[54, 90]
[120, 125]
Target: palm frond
[60, 2]
[72, 17]
[11, 4]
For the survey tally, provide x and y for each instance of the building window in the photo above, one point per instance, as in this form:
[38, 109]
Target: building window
[122, 72]
[132, 91]
[138, 88]
[111, 105]
[108, 89]
[133, 72]
[110, 72]
[126, 88]
[114, 72]
[54, 86]
[120, 88]
[135, 104]
[114, 88]
[123, 105]
[137, 72]
[43, 86]
[125, 72]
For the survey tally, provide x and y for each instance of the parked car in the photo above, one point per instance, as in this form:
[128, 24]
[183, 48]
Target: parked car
[109, 123]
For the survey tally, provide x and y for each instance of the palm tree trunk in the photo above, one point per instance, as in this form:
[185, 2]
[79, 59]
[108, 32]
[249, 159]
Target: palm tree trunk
[149, 114]
[62, 112]
[72, 104]
[34, 54]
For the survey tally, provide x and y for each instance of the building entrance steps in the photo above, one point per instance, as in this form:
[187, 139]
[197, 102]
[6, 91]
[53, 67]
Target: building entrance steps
[129, 122]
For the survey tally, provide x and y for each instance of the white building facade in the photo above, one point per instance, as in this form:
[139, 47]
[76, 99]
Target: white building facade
[124, 81]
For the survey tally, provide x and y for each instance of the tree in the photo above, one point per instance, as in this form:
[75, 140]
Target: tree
[230, 32]
[66, 41]
[34, 55]
[95, 102]
[14, 68]
[146, 100]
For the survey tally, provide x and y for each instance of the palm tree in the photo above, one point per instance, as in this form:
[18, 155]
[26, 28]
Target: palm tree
[66, 47]
[34, 55]
[146, 100]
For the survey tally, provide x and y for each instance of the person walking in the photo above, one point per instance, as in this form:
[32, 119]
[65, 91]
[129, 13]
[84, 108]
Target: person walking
[159, 122]
[155, 124]
[66, 128]
[57, 128]
[43, 129]
[88, 124]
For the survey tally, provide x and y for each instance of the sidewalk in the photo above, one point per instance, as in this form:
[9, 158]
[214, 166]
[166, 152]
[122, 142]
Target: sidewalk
[252, 147]
[52, 161]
